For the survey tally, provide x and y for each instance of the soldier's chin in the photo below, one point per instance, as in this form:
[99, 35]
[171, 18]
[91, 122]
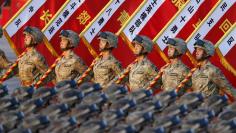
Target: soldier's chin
[29, 45]
[171, 57]
[199, 59]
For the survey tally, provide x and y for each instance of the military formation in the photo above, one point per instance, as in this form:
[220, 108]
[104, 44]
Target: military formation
[102, 105]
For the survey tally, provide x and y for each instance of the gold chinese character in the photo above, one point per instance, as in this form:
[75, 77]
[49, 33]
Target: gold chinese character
[83, 17]
[198, 22]
[124, 16]
[178, 3]
[46, 16]
[225, 26]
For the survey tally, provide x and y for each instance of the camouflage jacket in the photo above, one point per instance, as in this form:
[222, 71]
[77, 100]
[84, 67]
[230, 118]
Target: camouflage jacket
[31, 66]
[209, 80]
[69, 68]
[173, 74]
[141, 74]
[4, 63]
[105, 69]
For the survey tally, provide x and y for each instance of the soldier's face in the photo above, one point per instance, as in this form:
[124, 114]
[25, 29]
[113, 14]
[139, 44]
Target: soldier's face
[64, 42]
[137, 49]
[28, 40]
[199, 53]
[171, 52]
[102, 44]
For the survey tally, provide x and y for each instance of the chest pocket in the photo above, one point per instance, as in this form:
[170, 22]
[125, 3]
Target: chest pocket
[65, 69]
[26, 65]
[138, 74]
[102, 69]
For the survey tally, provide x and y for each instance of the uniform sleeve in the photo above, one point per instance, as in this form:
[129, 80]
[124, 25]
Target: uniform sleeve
[188, 84]
[219, 79]
[40, 64]
[116, 67]
[42, 67]
[80, 67]
[152, 72]
[4, 62]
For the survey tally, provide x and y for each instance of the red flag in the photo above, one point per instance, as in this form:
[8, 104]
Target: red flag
[213, 28]
[74, 15]
[33, 13]
[149, 21]
[226, 54]
[182, 24]
[112, 18]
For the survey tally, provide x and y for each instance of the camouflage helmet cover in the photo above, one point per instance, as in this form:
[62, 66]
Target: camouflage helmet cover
[145, 42]
[178, 44]
[206, 45]
[35, 32]
[111, 38]
[71, 36]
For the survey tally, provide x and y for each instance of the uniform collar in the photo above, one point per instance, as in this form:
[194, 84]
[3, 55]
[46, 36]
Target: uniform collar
[178, 63]
[70, 55]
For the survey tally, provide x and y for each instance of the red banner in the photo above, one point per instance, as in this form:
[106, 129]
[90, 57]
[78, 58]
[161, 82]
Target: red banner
[151, 26]
[114, 16]
[79, 16]
[35, 14]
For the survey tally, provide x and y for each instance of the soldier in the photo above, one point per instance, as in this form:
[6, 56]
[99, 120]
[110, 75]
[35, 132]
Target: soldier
[32, 64]
[142, 72]
[4, 62]
[208, 79]
[176, 71]
[70, 66]
[107, 67]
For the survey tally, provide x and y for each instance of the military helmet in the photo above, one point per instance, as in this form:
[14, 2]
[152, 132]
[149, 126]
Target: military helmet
[35, 32]
[178, 44]
[71, 36]
[145, 42]
[206, 45]
[111, 38]
[1, 32]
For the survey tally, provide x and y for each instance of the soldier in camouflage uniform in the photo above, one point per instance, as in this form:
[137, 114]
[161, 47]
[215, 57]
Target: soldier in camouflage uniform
[176, 71]
[32, 64]
[4, 62]
[107, 67]
[70, 66]
[143, 71]
[208, 79]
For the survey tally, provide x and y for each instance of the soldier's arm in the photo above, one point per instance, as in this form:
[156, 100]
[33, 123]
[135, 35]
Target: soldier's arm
[4, 62]
[116, 67]
[152, 71]
[219, 79]
[42, 67]
[188, 84]
[80, 67]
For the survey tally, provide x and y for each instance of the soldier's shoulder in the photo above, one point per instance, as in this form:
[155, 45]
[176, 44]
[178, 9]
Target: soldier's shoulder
[113, 59]
[184, 67]
[36, 56]
[212, 68]
[150, 64]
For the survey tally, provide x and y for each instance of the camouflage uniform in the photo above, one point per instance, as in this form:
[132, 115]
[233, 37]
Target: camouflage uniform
[142, 72]
[32, 64]
[69, 68]
[208, 79]
[106, 69]
[173, 74]
[4, 62]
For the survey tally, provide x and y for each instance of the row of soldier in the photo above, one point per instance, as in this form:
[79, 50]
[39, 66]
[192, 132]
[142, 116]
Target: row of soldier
[106, 69]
